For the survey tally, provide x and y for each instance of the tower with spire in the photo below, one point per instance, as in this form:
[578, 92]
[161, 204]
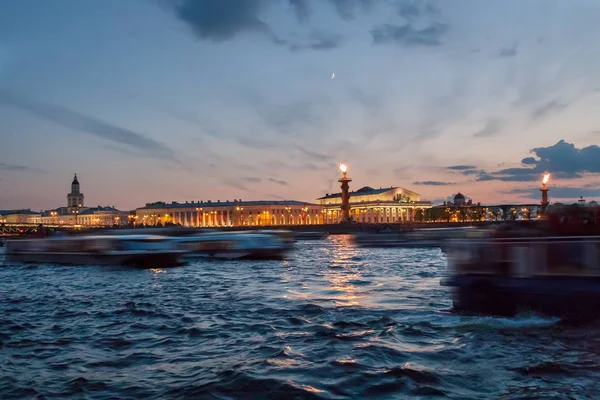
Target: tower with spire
[75, 198]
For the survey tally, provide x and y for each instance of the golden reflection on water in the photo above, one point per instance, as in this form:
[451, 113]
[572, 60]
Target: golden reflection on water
[343, 272]
[157, 270]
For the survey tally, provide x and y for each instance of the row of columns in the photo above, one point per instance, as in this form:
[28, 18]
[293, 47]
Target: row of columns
[234, 218]
[375, 215]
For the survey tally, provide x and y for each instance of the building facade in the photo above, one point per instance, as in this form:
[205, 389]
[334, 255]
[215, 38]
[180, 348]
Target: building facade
[77, 214]
[17, 216]
[230, 213]
[375, 206]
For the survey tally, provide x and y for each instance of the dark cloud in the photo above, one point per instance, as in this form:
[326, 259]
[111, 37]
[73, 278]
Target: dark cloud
[301, 8]
[252, 179]
[562, 160]
[93, 126]
[561, 192]
[528, 161]
[433, 183]
[408, 35]
[548, 108]
[347, 9]
[508, 51]
[312, 154]
[221, 20]
[413, 9]
[19, 168]
[492, 127]
[317, 40]
[237, 184]
[278, 181]
[256, 143]
[461, 167]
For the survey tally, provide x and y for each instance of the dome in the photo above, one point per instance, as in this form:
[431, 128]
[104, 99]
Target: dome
[593, 203]
[459, 196]
[75, 181]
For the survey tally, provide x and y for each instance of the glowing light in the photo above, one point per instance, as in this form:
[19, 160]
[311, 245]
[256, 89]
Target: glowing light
[546, 179]
[343, 168]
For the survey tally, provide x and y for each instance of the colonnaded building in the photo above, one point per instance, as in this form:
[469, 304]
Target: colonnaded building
[230, 213]
[367, 205]
[375, 206]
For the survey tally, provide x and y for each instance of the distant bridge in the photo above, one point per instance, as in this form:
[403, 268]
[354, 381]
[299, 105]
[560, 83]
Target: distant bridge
[29, 229]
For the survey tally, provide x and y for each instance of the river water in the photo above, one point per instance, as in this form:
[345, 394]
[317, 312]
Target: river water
[333, 321]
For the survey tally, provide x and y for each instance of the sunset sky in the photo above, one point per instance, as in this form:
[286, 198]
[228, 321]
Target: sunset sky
[174, 100]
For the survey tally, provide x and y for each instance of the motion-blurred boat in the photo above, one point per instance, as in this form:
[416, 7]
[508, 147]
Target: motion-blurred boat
[310, 235]
[233, 245]
[136, 250]
[418, 238]
[553, 269]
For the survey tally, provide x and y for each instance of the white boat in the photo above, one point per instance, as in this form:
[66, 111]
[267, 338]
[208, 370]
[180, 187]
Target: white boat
[138, 250]
[232, 245]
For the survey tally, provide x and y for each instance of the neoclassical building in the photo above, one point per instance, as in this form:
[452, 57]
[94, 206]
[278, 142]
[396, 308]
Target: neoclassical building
[376, 206]
[76, 213]
[230, 213]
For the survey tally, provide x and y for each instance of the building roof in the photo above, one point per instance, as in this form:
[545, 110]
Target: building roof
[219, 203]
[99, 209]
[459, 196]
[75, 181]
[365, 190]
[22, 212]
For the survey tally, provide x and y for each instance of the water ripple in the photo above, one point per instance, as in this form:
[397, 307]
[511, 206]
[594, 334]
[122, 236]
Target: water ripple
[332, 322]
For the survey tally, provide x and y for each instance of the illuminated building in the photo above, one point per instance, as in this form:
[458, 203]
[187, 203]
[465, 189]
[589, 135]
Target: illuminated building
[376, 206]
[17, 216]
[75, 213]
[230, 213]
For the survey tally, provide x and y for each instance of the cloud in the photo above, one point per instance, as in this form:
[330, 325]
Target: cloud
[434, 183]
[236, 184]
[492, 127]
[93, 126]
[346, 9]
[220, 20]
[318, 40]
[20, 168]
[508, 51]
[528, 161]
[562, 160]
[408, 35]
[461, 167]
[277, 181]
[255, 143]
[223, 20]
[312, 154]
[252, 179]
[548, 108]
[301, 8]
[561, 192]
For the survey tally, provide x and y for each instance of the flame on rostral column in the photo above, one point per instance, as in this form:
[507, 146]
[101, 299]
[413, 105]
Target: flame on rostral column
[343, 168]
[546, 179]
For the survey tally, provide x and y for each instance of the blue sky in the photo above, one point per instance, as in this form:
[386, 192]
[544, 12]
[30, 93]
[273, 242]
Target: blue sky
[168, 100]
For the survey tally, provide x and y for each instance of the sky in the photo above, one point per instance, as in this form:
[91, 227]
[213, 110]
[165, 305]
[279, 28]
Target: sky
[175, 100]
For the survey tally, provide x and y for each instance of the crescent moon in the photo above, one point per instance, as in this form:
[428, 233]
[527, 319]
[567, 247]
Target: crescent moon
[333, 75]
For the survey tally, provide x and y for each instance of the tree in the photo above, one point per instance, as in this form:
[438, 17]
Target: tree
[419, 215]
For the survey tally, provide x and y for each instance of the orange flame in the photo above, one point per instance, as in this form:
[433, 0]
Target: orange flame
[343, 168]
[546, 179]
